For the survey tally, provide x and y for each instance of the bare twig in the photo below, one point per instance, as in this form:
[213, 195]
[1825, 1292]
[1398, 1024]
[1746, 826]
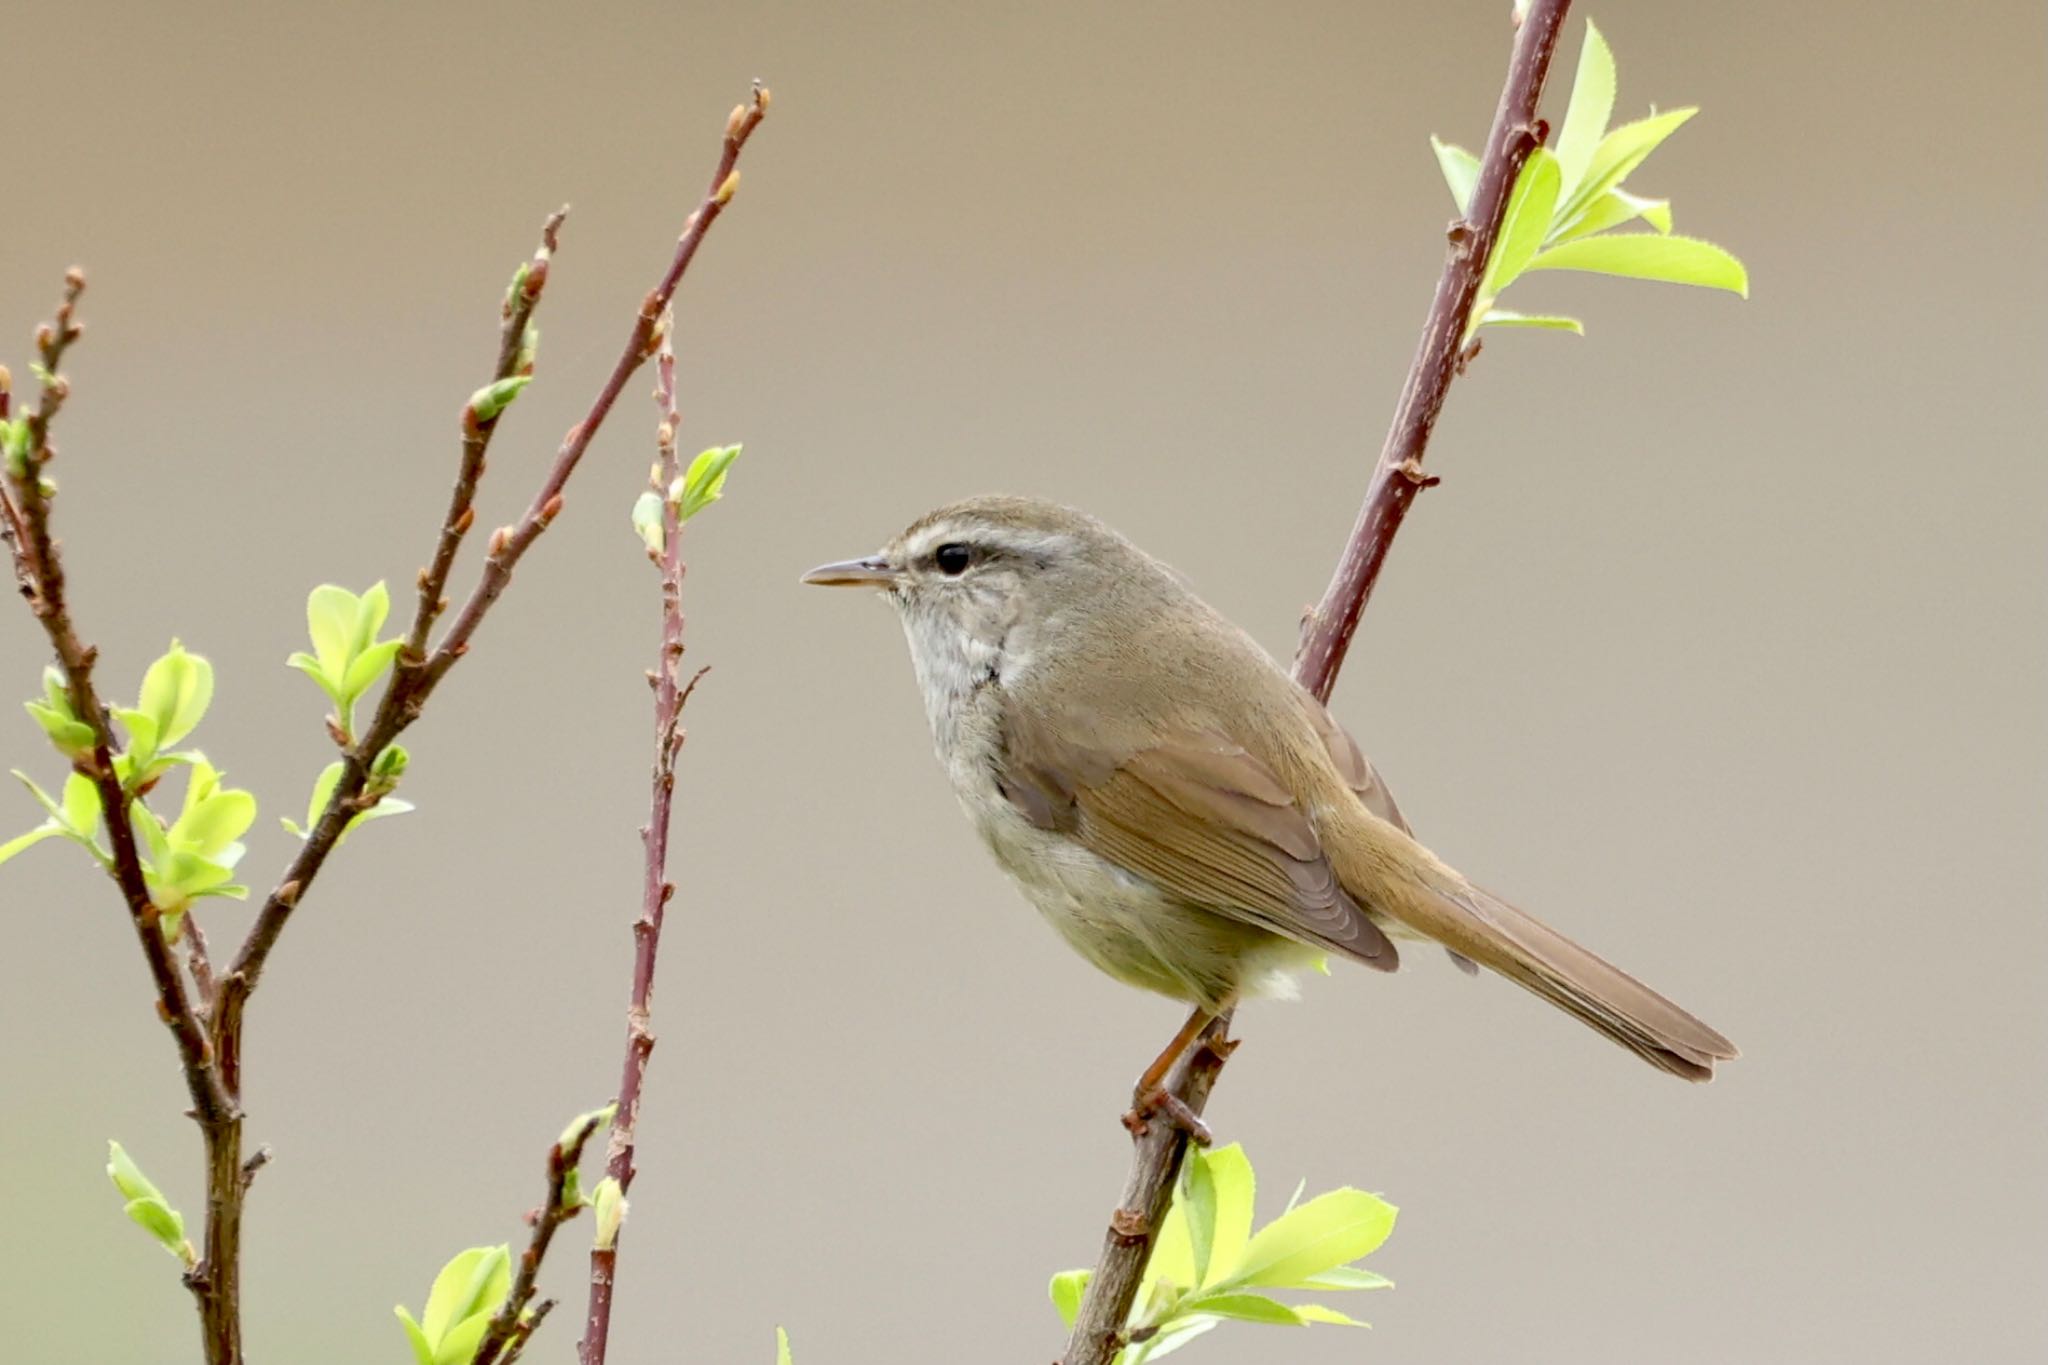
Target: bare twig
[39, 574]
[512, 1325]
[1156, 1158]
[669, 695]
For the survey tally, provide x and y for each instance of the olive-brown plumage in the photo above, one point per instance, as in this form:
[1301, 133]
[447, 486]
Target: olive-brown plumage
[1188, 817]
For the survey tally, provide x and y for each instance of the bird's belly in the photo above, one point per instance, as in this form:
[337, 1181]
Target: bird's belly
[1127, 925]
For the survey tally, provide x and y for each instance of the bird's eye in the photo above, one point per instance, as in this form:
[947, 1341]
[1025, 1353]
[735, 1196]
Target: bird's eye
[953, 558]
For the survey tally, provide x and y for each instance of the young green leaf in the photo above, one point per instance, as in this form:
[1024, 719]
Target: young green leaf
[458, 1345]
[608, 1204]
[176, 691]
[1067, 1289]
[422, 1349]
[488, 402]
[1501, 317]
[704, 482]
[1592, 104]
[72, 736]
[1612, 209]
[146, 1205]
[1230, 1172]
[1246, 1308]
[1330, 1230]
[1618, 154]
[1198, 1203]
[782, 1356]
[1650, 256]
[1345, 1277]
[1461, 171]
[647, 523]
[474, 1282]
[49, 829]
[1315, 1312]
[1528, 218]
[1171, 1338]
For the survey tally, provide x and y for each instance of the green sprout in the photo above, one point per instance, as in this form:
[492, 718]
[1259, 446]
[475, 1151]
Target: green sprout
[1209, 1267]
[1568, 201]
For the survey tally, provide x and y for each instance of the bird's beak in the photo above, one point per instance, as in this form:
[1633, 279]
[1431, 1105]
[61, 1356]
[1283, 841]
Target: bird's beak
[872, 572]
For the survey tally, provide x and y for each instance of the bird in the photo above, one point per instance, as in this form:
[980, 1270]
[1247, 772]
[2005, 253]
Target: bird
[1189, 818]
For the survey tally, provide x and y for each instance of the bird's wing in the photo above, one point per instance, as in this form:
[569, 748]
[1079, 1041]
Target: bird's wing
[1199, 816]
[1359, 774]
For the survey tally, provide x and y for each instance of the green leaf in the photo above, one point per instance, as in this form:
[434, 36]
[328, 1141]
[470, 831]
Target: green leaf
[1171, 1338]
[474, 1281]
[1067, 1289]
[176, 692]
[492, 399]
[371, 609]
[142, 735]
[1528, 219]
[1246, 1308]
[1315, 1312]
[1501, 317]
[1198, 1200]
[1345, 1277]
[458, 1345]
[81, 804]
[215, 822]
[369, 666]
[1612, 209]
[1330, 1230]
[1650, 256]
[422, 1349]
[331, 614]
[48, 830]
[1618, 154]
[585, 1126]
[42, 798]
[323, 788]
[608, 1205]
[782, 1356]
[1461, 172]
[1592, 104]
[704, 482]
[127, 1176]
[647, 523]
[1173, 1251]
[1231, 1172]
[72, 736]
[160, 1221]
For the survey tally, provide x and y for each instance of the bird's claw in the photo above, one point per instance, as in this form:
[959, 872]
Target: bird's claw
[1163, 1103]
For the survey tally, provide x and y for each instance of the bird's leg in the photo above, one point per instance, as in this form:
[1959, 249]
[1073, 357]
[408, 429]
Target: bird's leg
[1150, 1096]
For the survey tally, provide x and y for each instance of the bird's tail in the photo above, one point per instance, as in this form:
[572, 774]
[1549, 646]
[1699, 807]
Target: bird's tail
[1433, 899]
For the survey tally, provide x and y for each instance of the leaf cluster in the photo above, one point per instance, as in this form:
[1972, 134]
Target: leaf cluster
[1209, 1267]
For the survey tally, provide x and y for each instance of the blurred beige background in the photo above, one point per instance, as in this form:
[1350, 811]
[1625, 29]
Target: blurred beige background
[1720, 646]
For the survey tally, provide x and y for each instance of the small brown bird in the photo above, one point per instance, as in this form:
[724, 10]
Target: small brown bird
[1188, 817]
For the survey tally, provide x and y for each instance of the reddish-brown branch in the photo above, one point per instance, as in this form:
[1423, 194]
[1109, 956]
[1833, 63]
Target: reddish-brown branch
[514, 358]
[670, 694]
[39, 572]
[412, 683]
[510, 1327]
[1398, 477]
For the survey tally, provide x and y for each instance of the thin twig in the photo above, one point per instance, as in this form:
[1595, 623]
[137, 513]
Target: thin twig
[656, 889]
[39, 573]
[562, 1204]
[1156, 1157]
[412, 683]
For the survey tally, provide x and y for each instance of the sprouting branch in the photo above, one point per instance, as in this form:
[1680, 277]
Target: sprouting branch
[39, 574]
[510, 1327]
[1158, 1150]
[670, 693]
[414, 680]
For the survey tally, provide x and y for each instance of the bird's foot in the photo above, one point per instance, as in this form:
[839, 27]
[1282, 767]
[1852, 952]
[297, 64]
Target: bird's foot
[1159, 1102]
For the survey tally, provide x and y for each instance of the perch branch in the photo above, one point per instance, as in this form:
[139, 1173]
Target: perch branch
[1157, 1152]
